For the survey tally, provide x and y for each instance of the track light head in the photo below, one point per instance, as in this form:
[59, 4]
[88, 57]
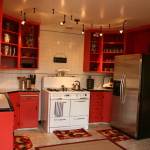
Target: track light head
[24, 20]
[63, 22]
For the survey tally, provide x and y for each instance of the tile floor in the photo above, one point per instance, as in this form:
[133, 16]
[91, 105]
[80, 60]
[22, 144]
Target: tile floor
[40, 138]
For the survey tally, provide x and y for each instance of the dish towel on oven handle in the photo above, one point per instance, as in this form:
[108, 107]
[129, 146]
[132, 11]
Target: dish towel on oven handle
[58, 112]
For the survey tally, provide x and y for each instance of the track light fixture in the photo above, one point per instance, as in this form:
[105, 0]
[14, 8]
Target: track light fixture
[122, 30]
[63, 22]
[100, 34]
[24, 20]
[57, 12]
[83, 29]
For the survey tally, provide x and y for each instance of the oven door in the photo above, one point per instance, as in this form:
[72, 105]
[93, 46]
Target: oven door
[79, 107]
[59, 108]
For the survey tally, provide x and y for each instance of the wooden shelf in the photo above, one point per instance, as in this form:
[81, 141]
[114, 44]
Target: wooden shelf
[94, 61]
[113, 52]
[113, 42]
[28, 57]
[108, 62]
[95, 53]
[11, 32]
[29, 47]
[9, 56]
[10, 43]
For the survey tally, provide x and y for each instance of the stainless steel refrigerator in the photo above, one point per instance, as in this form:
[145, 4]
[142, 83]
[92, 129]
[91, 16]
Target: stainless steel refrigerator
[131, 95]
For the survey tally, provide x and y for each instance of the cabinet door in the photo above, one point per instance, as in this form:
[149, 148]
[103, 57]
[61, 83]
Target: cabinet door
[95, 107]
[106, 111]
[6, 130]
[14, 97]
[28, 112]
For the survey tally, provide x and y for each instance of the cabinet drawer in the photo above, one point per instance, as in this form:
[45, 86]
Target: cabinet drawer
[29, 97]
[94, 111]
[96, 102]
[96, 95]
[81, 120]
[59, 122]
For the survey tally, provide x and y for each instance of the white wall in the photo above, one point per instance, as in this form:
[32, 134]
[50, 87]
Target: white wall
[52, 42]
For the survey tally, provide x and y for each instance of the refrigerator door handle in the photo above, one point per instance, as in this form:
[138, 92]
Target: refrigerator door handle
[124, 88]
[121, 89]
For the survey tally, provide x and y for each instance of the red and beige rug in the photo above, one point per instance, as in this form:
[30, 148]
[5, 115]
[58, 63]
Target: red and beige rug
[69, 134]
[99, 144]
[22, 143]
[114, 135]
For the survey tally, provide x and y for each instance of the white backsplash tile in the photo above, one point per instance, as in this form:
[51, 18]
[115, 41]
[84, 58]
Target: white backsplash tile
[54, 41]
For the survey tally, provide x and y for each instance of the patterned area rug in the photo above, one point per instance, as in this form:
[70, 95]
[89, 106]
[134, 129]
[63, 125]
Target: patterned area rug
[69, 134]
[22, 143]
[114, 135]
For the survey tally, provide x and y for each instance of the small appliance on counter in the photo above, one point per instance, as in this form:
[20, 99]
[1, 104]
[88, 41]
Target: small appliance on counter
[27, 83]
[108, 82]
[90, 83]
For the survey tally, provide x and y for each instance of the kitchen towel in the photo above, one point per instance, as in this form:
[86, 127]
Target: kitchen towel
[58, 111]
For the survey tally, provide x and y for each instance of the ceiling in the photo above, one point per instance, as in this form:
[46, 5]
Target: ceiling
[96, 12]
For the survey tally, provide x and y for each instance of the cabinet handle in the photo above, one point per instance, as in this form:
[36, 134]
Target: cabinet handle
[79, 101]
[29, 95]
[78, 118]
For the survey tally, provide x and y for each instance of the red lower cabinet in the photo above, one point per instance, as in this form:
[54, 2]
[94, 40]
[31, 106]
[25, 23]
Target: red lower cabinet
[96, 99]
[29, 103]
[107, 103]
[6, 130]
[100, 107]
[14, 97]
[26, 106]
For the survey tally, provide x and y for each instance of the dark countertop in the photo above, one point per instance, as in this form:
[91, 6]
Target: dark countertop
[5, 103]
[17, 90]
[100, 90]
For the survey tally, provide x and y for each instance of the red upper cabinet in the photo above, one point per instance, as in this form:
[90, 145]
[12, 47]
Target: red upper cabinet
[19, 44]
[92, 52]
[138, 40]
[9, 43]
[99, 51]
[113, 44]
[29, 51]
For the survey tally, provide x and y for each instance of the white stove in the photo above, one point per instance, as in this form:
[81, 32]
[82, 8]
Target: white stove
[64, 109]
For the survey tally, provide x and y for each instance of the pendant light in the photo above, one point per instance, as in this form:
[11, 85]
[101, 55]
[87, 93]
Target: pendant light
[24, 20]
[63, 22]
[83, 29]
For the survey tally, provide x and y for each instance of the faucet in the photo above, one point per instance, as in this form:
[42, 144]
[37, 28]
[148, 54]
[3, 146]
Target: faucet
[78, 85]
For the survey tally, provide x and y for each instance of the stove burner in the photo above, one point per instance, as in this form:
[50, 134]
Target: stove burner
[54, 90]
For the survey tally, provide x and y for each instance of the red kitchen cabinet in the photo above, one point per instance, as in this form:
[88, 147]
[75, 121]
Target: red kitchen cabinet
[138, 40]
[106, 109]
[100, 107]
[95, 107]
[14, 97]
[6, 130]
[29, 103]
[20, 50]
[99, 52]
